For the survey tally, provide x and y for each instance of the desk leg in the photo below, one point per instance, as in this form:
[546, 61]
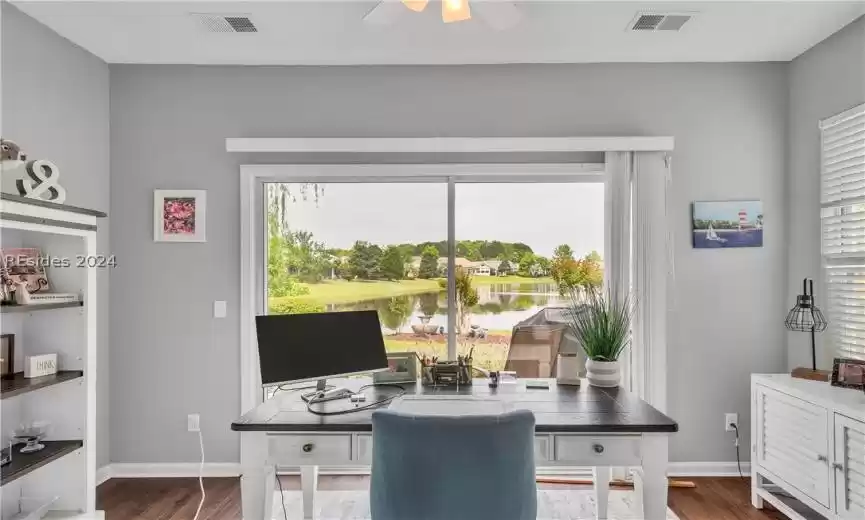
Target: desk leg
[654, 476]
[256, 480]
[309, 484]
[601, 475]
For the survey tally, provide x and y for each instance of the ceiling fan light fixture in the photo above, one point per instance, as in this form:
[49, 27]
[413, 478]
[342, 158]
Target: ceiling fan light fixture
[416, 5]
[455, 11]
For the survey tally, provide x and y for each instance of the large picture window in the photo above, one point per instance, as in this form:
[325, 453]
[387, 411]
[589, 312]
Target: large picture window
[516, 249]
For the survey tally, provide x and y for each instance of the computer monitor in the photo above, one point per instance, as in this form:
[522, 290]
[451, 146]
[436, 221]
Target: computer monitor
[294, 348]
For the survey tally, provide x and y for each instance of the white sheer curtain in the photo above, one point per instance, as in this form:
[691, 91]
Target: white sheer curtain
[652, 275]
[617, 235]
[638, 260]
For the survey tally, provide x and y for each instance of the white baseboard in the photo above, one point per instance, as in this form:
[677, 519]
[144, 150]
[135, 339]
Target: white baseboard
[103, 474]
[167, 470]
[231, 469]
[707, 469]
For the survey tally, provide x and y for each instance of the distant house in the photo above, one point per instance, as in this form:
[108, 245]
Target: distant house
[442, 263]
[485, 268]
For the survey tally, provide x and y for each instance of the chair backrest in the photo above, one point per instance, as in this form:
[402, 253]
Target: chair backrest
[472, 467]
[534, 343]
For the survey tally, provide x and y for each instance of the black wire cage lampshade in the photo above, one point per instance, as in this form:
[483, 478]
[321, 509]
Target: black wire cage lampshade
[807, 317]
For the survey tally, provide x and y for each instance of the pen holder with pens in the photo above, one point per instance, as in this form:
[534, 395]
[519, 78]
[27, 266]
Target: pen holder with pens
[447, 373]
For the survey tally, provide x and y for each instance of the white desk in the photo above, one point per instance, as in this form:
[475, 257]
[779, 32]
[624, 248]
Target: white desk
[587, 426]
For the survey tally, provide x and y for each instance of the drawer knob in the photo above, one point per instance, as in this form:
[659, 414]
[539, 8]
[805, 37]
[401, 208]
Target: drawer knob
[308, 447]
[838, 466]
[822, 458]
[598, 448]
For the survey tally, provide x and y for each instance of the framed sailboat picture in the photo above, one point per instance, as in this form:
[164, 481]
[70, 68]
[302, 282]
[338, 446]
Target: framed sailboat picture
[727, 224]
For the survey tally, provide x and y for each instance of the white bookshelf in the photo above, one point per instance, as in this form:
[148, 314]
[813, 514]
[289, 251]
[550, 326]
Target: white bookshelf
[63, 474]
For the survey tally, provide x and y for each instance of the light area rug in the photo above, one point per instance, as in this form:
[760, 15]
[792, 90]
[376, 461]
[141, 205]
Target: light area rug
[553, 504]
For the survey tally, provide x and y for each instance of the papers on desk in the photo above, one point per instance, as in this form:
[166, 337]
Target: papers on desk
[446, 406]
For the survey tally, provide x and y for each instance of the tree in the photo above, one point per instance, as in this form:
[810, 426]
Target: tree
[527, 260]
[505, 268]
[542, 265]
[467, 297]
[429, 260]
[392, 265]
[593, 273]
[563, 252]
[364, 260]
[473, 252]
[343, 270]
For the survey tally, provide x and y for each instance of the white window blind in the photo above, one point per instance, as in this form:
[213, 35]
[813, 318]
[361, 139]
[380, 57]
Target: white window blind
[842, 197]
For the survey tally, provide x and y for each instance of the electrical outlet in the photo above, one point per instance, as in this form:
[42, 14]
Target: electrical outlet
[192, 422]
[731, 418]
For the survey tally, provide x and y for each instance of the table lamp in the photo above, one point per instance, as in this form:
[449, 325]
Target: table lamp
[805, 316]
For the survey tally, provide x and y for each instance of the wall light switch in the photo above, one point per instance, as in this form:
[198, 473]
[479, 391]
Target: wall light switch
[220, 309]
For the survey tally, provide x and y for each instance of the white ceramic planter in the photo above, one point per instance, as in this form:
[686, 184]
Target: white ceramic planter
[606, 374]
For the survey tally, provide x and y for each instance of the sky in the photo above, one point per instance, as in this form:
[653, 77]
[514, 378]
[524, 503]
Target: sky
[540, 215]
[727, 210]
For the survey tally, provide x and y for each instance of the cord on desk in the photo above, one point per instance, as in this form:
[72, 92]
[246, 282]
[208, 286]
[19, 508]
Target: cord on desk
[281, 493]
[370, 406]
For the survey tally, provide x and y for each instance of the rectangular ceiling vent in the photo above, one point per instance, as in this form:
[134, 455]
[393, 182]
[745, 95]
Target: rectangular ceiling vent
[228, 23]
[650, 22]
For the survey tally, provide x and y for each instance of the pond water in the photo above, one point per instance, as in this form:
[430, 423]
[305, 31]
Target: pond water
[500, 306]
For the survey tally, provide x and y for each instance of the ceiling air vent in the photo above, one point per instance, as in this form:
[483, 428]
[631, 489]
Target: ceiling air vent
[229, 23]
[650, 22]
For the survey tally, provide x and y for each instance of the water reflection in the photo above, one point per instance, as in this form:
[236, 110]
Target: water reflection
[500, 306]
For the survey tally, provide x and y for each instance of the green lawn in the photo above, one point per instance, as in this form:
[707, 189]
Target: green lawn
[341, 291]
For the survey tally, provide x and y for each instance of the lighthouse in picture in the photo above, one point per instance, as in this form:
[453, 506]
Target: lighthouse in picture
[743, 221]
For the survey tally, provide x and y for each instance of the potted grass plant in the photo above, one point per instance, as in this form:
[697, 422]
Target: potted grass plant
[602, 324]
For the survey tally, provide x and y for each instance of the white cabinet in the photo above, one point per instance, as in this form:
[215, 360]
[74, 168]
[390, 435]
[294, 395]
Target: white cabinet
[808, 438]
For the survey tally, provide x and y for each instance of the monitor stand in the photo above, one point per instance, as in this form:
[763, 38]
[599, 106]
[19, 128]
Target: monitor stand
[322, 393]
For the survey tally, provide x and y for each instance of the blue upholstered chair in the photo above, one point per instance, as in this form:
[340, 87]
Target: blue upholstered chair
[473, 467]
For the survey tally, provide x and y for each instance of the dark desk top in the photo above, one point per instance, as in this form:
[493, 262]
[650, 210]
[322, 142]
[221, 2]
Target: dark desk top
[563, 409]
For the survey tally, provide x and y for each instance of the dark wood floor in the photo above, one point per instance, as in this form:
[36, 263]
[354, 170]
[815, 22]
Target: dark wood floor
[177, 499]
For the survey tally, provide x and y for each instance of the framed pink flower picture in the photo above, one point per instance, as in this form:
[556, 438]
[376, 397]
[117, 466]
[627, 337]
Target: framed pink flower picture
[179, 215]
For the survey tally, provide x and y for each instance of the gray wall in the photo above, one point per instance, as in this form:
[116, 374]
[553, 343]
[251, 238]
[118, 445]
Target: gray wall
[168, 130]
[824, 81]
[55, 105]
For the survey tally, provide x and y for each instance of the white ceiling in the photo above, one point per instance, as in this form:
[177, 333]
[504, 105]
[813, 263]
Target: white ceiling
[329, 33]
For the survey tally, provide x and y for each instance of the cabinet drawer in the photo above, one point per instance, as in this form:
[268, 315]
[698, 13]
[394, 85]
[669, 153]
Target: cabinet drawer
[310, 449]
[363, 451]
[597, 451]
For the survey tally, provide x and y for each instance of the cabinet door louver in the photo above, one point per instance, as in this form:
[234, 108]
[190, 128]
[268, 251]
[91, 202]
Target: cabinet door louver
[850, 475]
[793, 440]
[842, 197]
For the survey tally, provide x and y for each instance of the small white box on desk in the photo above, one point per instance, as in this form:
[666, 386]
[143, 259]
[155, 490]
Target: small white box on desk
[38, 366]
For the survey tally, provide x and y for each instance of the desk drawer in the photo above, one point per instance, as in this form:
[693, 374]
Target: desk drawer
[543, 443]
[363, 452]
[310, 449]
[585, 450]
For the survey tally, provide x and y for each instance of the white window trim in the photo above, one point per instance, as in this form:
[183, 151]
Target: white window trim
[252, 176]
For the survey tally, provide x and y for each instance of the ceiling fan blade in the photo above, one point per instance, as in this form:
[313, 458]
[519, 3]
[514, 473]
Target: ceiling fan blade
[385, 13]
[498, 15]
